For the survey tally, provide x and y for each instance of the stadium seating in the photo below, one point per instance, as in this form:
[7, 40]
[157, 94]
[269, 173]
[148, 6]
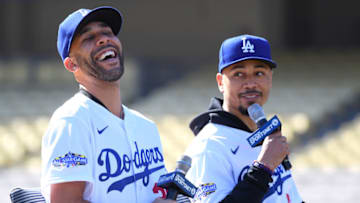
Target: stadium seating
[305, 87]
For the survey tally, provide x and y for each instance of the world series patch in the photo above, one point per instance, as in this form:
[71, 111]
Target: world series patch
[69, 160]
[205, 190]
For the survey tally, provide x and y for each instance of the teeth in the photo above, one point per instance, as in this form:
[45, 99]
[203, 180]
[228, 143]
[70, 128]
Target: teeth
[252, 96]
[107, 54]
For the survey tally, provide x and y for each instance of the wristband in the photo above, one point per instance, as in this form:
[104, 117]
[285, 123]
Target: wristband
[262, 166]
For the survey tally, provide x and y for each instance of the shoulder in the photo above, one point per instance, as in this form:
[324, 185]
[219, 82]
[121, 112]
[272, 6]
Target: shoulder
[74, 112]
[75, 106]
[135, 115]
[214, 133]
[217, 138]
[208, 140]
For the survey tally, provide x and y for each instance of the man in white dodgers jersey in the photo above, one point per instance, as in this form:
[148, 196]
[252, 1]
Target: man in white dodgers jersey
[224, 166]
[96, 149]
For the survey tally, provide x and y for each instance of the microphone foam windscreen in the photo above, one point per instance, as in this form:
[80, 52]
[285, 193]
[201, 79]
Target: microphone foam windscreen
[183, 164]
[256, 112]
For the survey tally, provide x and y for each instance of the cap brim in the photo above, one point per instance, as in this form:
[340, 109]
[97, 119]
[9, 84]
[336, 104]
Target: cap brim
[108, 15]
[271, 63]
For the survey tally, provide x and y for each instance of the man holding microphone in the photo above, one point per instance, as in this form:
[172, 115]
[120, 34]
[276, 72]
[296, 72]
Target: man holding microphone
[224, 166]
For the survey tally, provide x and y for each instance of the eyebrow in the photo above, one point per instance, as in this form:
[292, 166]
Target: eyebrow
[238, 66]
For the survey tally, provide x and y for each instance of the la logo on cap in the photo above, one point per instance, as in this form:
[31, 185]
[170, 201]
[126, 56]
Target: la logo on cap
[84, 12]
[247, 46]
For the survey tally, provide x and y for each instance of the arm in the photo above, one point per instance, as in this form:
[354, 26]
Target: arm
[256, 181]
[63, 137]
[252, 189]
[71, 192]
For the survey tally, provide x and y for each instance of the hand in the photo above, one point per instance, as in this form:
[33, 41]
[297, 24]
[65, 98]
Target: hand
[274, 149]
[161, 200]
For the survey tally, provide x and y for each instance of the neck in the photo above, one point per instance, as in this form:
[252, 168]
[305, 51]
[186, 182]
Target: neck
[108, 93]
[244, 118]
[248, 122]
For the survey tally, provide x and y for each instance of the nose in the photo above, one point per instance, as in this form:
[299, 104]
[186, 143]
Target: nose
[250, 83]
[103, 39]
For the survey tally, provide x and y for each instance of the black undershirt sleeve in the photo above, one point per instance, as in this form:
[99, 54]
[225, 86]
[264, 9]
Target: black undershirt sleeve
[252, 188]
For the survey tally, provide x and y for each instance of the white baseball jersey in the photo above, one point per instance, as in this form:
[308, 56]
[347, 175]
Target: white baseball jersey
[120, 160]
[221, 155]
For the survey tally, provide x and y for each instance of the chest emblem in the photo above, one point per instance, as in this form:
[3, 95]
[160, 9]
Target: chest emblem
[145, 161]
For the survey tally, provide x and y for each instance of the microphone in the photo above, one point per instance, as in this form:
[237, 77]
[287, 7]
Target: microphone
[176, 182]
[266, 127]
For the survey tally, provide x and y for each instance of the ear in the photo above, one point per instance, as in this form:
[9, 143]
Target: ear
[219, 80]
[70, 64]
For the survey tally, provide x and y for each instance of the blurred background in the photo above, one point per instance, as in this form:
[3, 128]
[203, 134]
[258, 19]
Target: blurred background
[171, 55]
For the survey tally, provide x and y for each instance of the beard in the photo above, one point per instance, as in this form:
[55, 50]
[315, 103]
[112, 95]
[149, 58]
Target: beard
[97, 71]
[243, 110]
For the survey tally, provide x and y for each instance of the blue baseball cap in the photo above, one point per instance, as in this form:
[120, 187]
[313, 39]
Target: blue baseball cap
[242, 48]
[78, 19]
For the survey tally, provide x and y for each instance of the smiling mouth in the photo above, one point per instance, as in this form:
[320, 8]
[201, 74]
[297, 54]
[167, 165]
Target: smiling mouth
[109, 54]
[250, 95]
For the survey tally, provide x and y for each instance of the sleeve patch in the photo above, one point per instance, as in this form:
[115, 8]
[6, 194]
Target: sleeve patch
[69, 160]
[205, 190]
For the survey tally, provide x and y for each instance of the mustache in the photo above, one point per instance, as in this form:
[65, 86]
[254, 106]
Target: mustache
[250, 92]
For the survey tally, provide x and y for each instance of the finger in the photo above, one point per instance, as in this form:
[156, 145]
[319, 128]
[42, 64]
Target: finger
[275, 134]
[283, 139]
[288, 149]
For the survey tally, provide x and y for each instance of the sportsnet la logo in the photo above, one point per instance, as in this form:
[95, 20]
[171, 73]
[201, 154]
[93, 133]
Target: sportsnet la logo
[264, 131]
[247, 46]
